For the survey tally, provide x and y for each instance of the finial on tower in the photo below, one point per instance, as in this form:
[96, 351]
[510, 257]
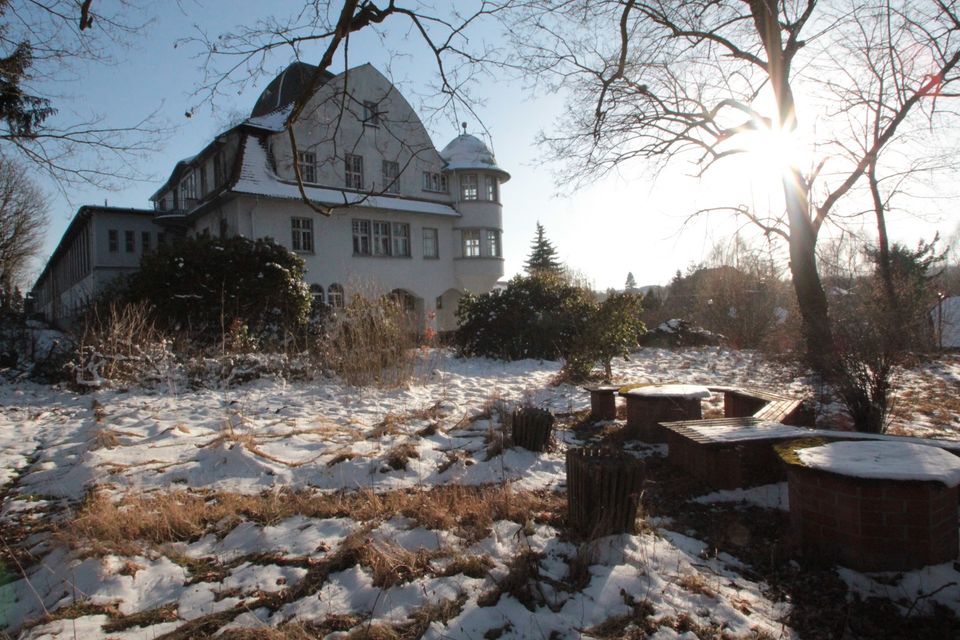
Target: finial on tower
[464, 125]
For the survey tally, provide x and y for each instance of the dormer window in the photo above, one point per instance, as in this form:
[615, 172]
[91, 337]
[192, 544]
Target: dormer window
[371, 113]
[219, 168]
[307, 164]
[188, 188]
[354, 171]
[468, 186]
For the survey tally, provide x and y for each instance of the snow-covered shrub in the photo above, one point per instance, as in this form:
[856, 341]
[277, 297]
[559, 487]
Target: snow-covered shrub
[370, 341]
[120, 344]
[532, 317]
[30, 348]
[204, 286]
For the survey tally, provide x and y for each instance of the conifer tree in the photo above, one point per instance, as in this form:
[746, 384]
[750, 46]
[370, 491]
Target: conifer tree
[631, 282]
[543, 257]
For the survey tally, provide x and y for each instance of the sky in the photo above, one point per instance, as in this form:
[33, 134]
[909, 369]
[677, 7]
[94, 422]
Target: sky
[637, 220]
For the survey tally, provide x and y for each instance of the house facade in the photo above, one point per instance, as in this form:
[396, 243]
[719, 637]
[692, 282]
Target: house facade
[403, 218]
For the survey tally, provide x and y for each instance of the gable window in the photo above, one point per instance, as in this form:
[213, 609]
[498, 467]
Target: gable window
[468, 186]
[203, 180]
[307, 165]
[219, 168]
[430, 245]
[490, 188]
[113, 240]
[335, 296]
[130, 241]
[493, 243]
[188, 189]
[436, 182]
[401, 240]
[145, 241]
[381, 238]
[302, 232]
[391, 176]
[361, 237]
[471, 243]
[371, 113]
[354, 171]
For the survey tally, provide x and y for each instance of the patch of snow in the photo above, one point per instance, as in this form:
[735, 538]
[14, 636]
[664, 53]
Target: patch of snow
[689, 391]
[884, 460]
[769, 496]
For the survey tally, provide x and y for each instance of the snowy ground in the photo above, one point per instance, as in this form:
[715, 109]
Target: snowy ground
[65, 455]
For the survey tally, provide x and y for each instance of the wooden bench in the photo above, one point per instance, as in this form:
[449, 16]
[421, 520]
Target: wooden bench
[729, 453]
[739, 402]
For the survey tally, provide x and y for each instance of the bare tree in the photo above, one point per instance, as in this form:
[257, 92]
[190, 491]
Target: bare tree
[23, 213]
[48, 40]
[249, 53]
[662, 80]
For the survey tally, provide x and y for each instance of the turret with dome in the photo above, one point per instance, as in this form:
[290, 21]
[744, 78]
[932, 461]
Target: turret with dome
[475, 178]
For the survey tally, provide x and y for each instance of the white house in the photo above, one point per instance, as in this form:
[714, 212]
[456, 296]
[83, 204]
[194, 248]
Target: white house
[405, 218]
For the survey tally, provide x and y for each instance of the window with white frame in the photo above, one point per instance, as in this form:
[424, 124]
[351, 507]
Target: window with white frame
[381, 238]
[391, 176]
[202, 170]
[130, 241]
[436, 182]
[335, 296]
[493, 243]
[468, 186]
[113, 240]
[361, 237]
[316, 295]
[188, 188]
[145, 241]
[401, 240]
[471, 243]
[490, 188]
[371, 113]
[354, 171]
[430, 245]
[307, 165]
[302, 234]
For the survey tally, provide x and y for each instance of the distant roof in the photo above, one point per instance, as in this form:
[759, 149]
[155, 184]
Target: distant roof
[469, 152]
[285, 88]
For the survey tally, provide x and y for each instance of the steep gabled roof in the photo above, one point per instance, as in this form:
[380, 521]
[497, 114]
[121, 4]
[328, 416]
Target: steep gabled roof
[286, 87]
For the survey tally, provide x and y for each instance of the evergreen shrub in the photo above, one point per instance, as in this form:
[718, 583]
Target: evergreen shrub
[539, 316]
[206, 286]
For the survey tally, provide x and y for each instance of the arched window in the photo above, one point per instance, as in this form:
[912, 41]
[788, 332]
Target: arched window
[405, 299]
[335, 295]
[316, 292]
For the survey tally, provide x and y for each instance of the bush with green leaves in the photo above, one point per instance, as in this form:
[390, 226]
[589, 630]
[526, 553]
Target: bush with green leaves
[203, 286]
[539, 316]
[613, 331]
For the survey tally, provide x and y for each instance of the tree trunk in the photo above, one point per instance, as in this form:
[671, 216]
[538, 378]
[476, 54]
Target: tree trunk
[811, 299]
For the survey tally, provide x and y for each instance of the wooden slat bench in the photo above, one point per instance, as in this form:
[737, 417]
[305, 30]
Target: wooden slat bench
[739, 402]
[729, 453]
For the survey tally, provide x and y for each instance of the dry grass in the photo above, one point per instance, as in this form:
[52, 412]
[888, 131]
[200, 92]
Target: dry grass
[370, 342]
[470, 565]
[173, 516]
[696, 583]
[119, 343]
[522, 582]
[398, 457]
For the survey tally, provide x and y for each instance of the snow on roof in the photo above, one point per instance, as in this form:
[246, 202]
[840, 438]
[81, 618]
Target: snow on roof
[670, 390]
[256, 178]
[950, 326]
[884, 460]
[469, 152]
[273, 121]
